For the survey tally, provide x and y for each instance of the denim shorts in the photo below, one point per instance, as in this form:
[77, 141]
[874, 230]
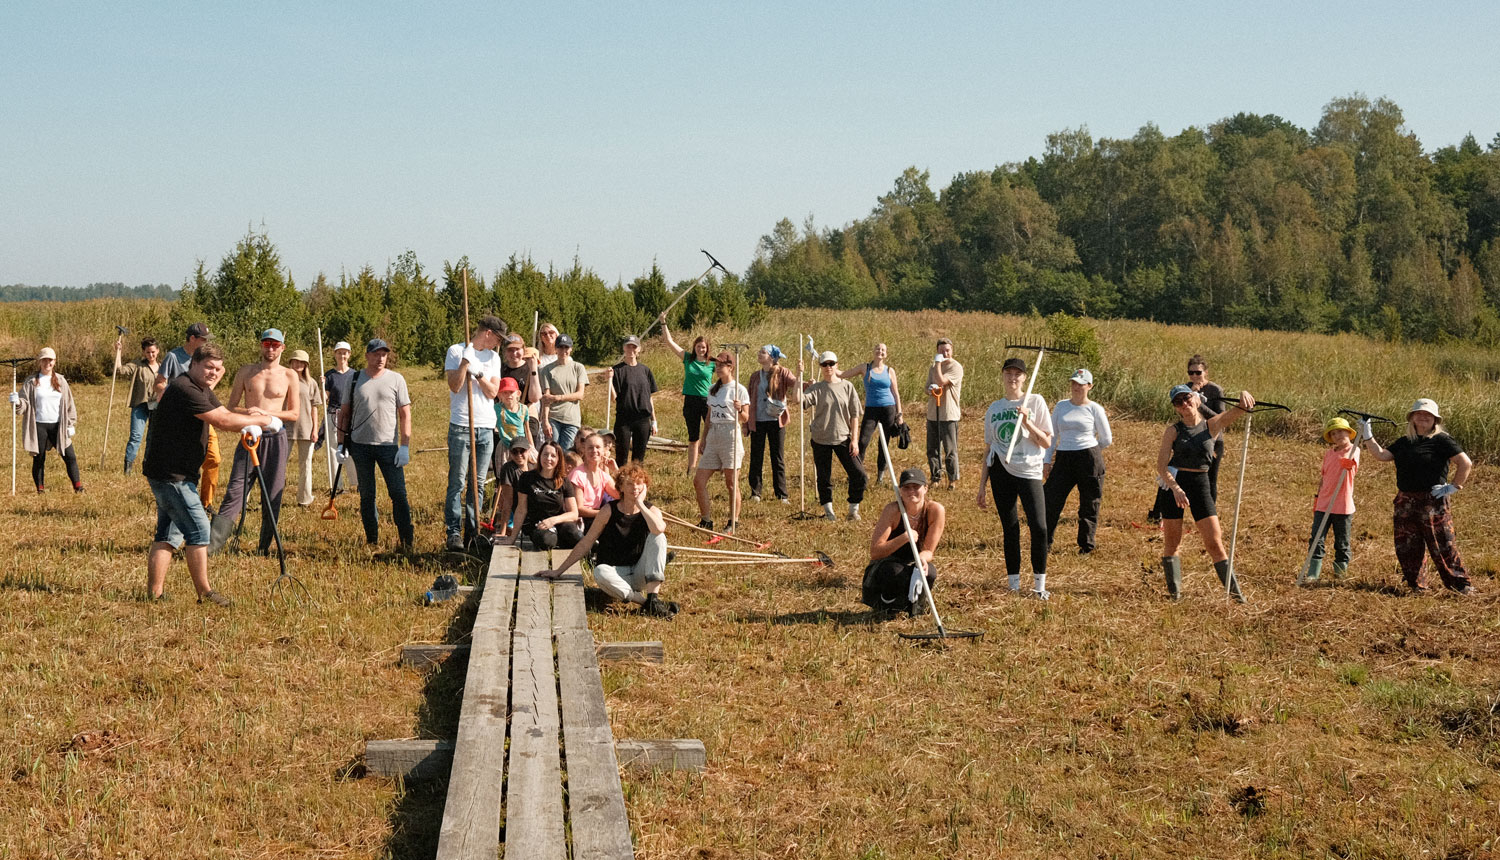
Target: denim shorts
[180, 518]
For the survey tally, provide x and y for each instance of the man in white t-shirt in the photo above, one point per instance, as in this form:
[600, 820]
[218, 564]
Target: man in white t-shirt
[475, 367]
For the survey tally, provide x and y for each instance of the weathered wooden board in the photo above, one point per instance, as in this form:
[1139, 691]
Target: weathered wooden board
[533, 788]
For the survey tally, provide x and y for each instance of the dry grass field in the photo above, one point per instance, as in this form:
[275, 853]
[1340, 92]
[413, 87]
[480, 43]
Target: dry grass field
[1347, 720]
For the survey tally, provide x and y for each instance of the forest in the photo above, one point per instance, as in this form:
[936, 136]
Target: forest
[1253, 221]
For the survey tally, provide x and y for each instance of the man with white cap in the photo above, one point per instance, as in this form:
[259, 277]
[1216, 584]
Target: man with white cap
[1423, 514]
[336, 381]
[834, 402]
[263, 388]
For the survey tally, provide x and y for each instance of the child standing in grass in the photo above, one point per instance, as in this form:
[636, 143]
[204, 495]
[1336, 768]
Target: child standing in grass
[1333, 508]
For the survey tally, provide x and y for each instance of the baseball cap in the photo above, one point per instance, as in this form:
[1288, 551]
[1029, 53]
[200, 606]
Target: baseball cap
[376, 345]
[564, 342]
[47, 352]
[828, 357]
[273, 334]
[343, 344]
[913, 476]
[724, 357]
[1082, 376]
[632, 341]
[298, 355]
[1179, 390]
[519, 443]
[1425, 405]
[514, 339]
[508, 383]
[1013, 364]
[198, 330]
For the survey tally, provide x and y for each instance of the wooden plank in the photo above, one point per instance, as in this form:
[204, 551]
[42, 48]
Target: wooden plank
[409, 759]
[471, 814]
[674, 754]
[430, 655]
[645, 652]
[567, 604]
[600, 825]
[533, 788]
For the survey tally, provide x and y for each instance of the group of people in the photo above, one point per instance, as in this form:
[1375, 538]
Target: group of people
[514, 413]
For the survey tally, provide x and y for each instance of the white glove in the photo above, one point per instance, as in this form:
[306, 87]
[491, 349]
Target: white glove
[72, 430]
[470, 355]
[1364, 431]
[653, 427]
[1171, 470]
[15, 399]
[914, 591]
[1443, 491]
[937, 359]
[403, 455]
[275, 425]
[342, 454]
[254, 431]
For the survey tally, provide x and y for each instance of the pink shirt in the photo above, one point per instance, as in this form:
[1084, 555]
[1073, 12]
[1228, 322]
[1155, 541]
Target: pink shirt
[587, 494]
[1332, 467]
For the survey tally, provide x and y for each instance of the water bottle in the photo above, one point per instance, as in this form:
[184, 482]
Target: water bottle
[443, 588]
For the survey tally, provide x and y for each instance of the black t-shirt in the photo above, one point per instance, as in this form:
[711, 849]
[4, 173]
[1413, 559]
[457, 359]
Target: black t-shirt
[1423, 463]
[1211, 395]
[542, 499]
[634, 386]
[522, 376]
[509, 474]
[623, 539]
[338, 388]
[177, 439]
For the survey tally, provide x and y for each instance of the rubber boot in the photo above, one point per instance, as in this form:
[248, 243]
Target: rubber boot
[1229, 580]
[1340, 570]
[1172, 566]
[1314, 570]
[220, 529]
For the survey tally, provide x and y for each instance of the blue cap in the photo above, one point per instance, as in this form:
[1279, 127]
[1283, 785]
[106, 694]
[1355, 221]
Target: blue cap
[273, 334]
[1178, 391]
[376, 345]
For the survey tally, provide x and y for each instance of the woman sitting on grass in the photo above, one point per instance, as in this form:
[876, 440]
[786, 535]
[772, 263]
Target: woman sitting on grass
[629, 543]
[546, 510]
[1424, 517]
[889, 582]
[592, 483]
[1182, 462]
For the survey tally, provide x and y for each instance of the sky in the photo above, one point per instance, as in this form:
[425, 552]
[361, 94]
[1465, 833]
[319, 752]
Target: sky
[140, 138]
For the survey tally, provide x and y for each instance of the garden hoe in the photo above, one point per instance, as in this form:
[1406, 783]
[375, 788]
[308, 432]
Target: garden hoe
[943, 633]
[1041, 350]
[712, 264]
[1231, 582]
[715, 536]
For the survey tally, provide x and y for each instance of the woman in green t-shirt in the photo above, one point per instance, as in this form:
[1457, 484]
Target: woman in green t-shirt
[697, 376]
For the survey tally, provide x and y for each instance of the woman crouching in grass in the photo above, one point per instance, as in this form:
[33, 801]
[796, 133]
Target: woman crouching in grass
[1182, 464]
[629, 542]
[1424, 518]
[890, 578]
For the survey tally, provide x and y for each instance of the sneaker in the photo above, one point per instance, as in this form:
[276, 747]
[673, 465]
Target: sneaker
[40, 489]
[854, 513]
[729, 527]
[77, 488]
[706, 524]
[755, 498]
[670, 556]
[454, 544]
[784, 500]
[1467, 591]
[828, 515]
[656, 607]
[216, 598]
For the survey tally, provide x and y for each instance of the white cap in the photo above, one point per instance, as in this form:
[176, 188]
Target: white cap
[827, 357]
[343, 344]
[1082, 376]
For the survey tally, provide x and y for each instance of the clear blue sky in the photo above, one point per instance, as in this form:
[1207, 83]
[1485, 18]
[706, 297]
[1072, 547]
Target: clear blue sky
[141, 137]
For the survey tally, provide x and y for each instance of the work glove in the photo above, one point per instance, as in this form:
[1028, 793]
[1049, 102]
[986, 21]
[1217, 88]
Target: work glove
[72, 430]
[1364, 430]
[403, 455]
[253, 431]
[15, 399]
[1443, 491]
[470, 355]
[937, 359]
[914, 590]
[275, 425]
[342, 454]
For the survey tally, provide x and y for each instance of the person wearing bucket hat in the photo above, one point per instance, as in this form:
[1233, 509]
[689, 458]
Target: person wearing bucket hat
[1333, 507]
[264, 387]
[1076, 459]
[304, 432]
[50, 419]
[1423, 517]
[336, 381]
[1182, 461]
[770, 388]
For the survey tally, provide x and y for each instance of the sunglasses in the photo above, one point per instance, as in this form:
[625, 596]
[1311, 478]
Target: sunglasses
[829, 363]
[1181, 400]
[1195, 373]
[272, 343]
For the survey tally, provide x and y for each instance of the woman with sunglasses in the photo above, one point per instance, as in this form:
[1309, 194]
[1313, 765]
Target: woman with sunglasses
[1211, 398]
[1182, 464]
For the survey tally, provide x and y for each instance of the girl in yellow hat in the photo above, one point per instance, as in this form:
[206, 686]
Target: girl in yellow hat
[1333, 507]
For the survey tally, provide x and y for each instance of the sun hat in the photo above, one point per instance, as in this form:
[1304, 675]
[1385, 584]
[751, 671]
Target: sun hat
[298, 355]
[1082, 376]
[1336, 423]
[1425, 405]
[1179, 390]
[344, 345]
[913, 476]
[1013, 364]
[46, 352]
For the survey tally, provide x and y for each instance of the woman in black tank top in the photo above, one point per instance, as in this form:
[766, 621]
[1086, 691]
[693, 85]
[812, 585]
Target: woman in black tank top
[1182, 474]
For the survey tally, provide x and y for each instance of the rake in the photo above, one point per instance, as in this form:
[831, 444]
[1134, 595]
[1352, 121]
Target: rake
[251, 443]
[1041, 350]
[717, 536]
[728, 557]
[1239, 492]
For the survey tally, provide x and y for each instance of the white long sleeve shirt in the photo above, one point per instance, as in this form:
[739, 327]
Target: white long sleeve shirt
[1078, 428]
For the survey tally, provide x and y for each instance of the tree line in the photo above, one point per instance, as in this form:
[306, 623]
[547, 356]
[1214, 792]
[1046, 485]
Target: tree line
[112, 290]
[1253, 221]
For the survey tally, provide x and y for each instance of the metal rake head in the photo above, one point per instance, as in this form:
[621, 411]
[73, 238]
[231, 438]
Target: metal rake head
[1044, 347]
[1378, 419]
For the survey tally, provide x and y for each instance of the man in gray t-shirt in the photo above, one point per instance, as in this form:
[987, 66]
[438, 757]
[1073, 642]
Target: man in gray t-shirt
[375, 430]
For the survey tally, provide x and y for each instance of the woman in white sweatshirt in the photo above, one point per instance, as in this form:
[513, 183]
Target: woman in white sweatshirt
[1020, 477]
[46, 402]
[1076, 459]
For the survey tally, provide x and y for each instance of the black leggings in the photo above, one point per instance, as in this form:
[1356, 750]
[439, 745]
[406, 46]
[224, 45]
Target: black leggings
[630, 440]
[50, 436]
[876, 416]
[561, 536]
[1006, 490]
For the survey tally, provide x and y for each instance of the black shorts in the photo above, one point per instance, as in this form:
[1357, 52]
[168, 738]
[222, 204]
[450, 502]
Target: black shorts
[695, 413]
[1200, 500]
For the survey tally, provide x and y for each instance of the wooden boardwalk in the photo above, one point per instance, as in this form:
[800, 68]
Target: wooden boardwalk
[533, 678]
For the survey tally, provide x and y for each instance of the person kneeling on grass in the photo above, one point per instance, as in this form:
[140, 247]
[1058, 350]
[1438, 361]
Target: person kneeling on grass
[629, 543]
[1182, 462]
[890, 579]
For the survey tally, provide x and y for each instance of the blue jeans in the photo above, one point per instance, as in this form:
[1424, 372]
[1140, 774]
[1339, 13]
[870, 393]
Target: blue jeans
[366, 458]
[139, 415]
[180, 517]
[564, 433]
[458, 477]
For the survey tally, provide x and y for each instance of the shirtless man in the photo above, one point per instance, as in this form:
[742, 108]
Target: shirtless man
[263, 388]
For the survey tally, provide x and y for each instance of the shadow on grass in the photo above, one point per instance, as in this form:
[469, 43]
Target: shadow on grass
[840, 618]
